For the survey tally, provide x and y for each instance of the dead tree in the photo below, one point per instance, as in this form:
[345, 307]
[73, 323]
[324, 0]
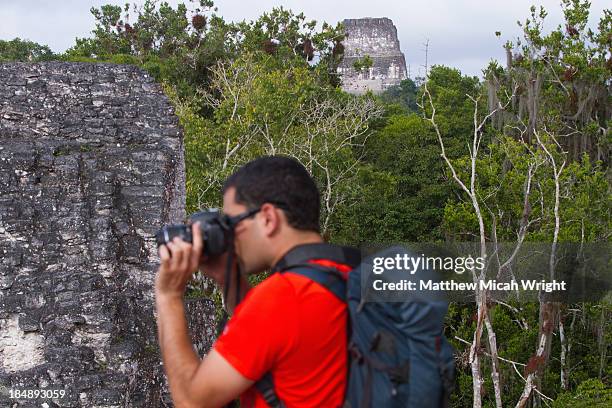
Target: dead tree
[539, 155]
[317, 131]
[482, 296]
[549, 311]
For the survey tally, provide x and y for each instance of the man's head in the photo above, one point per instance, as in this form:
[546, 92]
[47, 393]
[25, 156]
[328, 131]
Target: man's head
[289, 205]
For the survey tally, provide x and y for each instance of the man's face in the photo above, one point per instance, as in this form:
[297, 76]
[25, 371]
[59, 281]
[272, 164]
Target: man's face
[247, 236]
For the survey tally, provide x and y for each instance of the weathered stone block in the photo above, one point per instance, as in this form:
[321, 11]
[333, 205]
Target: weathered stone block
[91, 165]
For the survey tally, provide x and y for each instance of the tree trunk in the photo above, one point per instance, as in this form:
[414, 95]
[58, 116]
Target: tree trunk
[495, 374]
[601, 341]
[564, 350]
[477, 381]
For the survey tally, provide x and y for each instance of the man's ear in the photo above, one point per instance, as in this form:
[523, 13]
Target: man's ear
[271, 219]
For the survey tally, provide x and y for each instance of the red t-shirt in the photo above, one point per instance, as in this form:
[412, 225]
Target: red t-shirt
[294, 328]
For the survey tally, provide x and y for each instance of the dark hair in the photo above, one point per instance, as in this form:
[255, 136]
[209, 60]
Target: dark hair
[281, 181]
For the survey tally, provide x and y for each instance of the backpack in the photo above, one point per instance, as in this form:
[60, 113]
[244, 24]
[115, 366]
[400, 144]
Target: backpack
[398, 355]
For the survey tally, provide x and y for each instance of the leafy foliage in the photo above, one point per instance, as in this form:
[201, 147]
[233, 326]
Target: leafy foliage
[590, 394]
[24, 51]
[263, 107]
[404, 95]
[561, 81]
[363, 64]
[535, 146]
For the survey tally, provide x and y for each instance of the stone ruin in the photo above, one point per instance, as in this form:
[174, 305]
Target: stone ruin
[91, 165]
[376, 37]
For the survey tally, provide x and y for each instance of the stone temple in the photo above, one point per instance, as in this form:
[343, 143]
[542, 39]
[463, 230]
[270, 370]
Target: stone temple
[377, 38]
[91, 165]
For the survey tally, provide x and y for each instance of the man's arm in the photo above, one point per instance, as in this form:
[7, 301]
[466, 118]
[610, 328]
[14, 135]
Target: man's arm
[211, 382]
[193, 383]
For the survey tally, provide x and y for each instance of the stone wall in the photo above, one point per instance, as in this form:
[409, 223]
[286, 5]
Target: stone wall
[376, 37]
[91, 165]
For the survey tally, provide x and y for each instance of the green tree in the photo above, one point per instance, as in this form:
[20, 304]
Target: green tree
[176, 45]
[285, 35]
[24, 51]
[404, 95]
[523, 182]
[449, 90]
[363, 63]
[590, 394]
[264, 107]
[560, 80]
[180, 45]
[403, 155]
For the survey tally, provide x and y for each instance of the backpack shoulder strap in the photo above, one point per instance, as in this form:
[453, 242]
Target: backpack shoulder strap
[332, 280]
[265, 386]
[296, 261]
[301, 254]
[329, 278]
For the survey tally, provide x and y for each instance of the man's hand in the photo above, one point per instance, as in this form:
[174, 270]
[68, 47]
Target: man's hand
[213, 382]
[179, 260]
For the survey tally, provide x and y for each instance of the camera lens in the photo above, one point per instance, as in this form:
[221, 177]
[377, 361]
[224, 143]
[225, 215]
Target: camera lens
[169, 232]
[214, 228]
[214, 231]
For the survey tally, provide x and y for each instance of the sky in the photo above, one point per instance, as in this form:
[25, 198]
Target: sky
[460, 33]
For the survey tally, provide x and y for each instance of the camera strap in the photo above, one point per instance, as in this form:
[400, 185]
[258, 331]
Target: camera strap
[228, 280]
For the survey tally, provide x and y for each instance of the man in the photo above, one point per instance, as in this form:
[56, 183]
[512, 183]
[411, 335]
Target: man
[288, 325]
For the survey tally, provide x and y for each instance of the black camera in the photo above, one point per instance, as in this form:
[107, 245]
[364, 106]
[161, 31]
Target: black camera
[216, 232]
